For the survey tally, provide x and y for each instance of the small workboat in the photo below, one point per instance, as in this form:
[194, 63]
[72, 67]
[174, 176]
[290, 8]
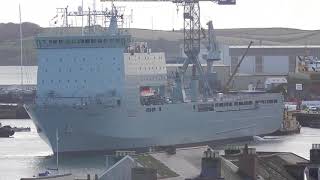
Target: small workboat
[56, 175]
[47, 175]
[21, 129]
[6, 131]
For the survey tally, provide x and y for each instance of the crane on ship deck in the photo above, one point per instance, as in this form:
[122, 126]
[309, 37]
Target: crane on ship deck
[192, 32]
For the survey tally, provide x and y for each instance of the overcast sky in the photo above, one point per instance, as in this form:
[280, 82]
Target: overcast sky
[301, 14]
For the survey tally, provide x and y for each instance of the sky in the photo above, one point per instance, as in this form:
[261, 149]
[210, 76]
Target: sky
[300, 14]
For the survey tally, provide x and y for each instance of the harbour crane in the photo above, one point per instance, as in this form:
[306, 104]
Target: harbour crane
[192, 32]
[214, 53]
[227, 85]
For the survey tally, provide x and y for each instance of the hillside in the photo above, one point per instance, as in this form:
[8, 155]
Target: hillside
[10, 43]
[167, 41]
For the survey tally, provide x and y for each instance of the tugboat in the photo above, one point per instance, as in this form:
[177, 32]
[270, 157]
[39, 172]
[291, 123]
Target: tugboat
[6, 131]
[289, 125]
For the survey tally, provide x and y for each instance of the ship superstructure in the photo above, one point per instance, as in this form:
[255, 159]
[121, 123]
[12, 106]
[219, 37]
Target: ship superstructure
[102, 91]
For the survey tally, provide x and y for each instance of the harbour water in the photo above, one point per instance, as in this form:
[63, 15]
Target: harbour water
[25, 154]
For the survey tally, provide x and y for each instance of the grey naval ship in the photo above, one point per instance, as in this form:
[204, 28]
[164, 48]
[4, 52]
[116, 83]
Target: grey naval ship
[98, 90]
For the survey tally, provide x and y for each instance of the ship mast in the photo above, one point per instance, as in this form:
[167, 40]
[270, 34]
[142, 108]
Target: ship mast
[57, 148]
[21, 50]
[92, 15]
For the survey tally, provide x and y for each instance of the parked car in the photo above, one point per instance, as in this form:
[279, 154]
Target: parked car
[313, 108]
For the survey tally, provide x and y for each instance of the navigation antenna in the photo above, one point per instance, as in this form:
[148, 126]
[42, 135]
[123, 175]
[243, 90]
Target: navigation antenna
[116, 13]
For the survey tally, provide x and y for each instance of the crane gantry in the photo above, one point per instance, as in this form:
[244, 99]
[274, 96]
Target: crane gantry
[192, 32]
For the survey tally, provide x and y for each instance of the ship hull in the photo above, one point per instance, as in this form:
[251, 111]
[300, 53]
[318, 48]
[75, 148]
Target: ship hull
[99, 128]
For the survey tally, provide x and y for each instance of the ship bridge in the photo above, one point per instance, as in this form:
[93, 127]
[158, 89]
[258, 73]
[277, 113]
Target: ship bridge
[87, 41]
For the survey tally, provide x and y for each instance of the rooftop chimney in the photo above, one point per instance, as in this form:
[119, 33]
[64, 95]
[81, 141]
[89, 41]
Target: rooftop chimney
[315, 154]
[210, 165]
[248, 163]
[312, 170]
